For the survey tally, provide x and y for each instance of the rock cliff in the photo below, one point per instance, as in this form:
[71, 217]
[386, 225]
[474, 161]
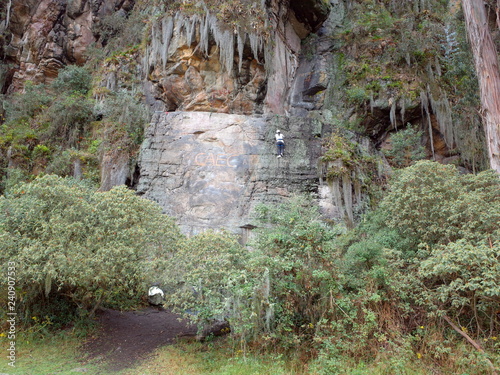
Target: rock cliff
[45, 35]
[210, 169]
[219, 82]
[211, 157]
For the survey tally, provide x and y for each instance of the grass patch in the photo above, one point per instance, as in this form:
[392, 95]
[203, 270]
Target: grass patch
[56, 354]
[214, 358]
[61, 354]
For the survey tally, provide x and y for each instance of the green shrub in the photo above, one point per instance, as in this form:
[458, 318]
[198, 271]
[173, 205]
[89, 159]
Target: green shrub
[34, 100]
[73, 78]
[69, 119]
[124, 117]
[433, 203]
[12, 178]
[406, 147]
[76, 248]
[61, 163]
[297, 249]
[442, 256]
[464, 279]
[357, 95]
[275, 293]
[207, 279]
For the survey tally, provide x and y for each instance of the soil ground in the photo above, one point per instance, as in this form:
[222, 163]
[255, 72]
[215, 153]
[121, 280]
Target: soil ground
[126, 337]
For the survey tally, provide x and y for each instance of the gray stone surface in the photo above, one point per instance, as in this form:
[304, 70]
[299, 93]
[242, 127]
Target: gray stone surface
[209, 170]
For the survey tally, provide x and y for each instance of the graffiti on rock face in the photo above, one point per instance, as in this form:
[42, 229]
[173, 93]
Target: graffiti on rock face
[216, 159]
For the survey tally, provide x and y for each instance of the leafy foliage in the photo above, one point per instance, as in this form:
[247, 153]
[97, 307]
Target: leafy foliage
[275, 290]
[124, 117]
[296, 246]
[23, 105]
[62, 120]
[79, 246]
[433, 203]
[406, 147]
[68, 120]
[207, 279]
[50, 117]
[396, 51]
[74, 79]
[443, 253]
[465, 277]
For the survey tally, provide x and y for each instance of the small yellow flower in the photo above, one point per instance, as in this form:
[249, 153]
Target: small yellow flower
[3, 335]
[421, 327]
[419, 355]
[494, 338]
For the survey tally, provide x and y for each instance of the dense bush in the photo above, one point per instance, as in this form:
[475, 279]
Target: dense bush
[208, 279]
[297, 249]
[452, 220]
[68, 120]
[66, 124]
[463, 280]
[277, 292]
[434, 204]
[74, 79]
[31, 102]
[79, 247]
[406, 147]
[124, 119]
[379, 291]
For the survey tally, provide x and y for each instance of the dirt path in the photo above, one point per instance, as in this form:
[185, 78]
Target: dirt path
[127, 337]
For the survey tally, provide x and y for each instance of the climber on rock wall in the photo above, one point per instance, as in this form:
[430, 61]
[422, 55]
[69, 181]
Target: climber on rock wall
[280, 143]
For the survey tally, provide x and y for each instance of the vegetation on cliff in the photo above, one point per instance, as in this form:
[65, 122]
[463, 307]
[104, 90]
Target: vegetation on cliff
[414, 62]
[60, 129]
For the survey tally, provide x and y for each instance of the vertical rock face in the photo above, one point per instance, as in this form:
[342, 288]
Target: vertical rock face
[220, 93]
[198, 63]
[46, 35]
[209, 169]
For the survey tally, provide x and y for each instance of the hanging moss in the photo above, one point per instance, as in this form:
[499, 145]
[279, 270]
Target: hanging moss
[350, 171]
[167, 33]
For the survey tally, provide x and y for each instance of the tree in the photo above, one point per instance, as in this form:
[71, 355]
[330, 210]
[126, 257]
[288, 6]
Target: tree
[78, 247]
[297, 248]
[208, 279]
[486, 62]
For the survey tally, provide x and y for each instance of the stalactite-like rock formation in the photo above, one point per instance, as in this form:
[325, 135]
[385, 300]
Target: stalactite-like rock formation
[235, 71]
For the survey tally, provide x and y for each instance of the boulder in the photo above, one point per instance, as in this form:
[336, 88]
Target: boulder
[156, 296]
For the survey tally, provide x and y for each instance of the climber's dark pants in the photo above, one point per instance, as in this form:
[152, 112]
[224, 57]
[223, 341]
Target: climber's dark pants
[281, 147]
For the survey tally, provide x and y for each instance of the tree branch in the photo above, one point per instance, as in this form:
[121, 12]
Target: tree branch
[471, 341]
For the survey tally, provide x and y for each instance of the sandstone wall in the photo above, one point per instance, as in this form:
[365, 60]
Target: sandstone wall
[209, 155]
[209, 170]
[45, 35]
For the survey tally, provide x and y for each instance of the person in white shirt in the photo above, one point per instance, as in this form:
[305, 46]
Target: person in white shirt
[280, 143]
